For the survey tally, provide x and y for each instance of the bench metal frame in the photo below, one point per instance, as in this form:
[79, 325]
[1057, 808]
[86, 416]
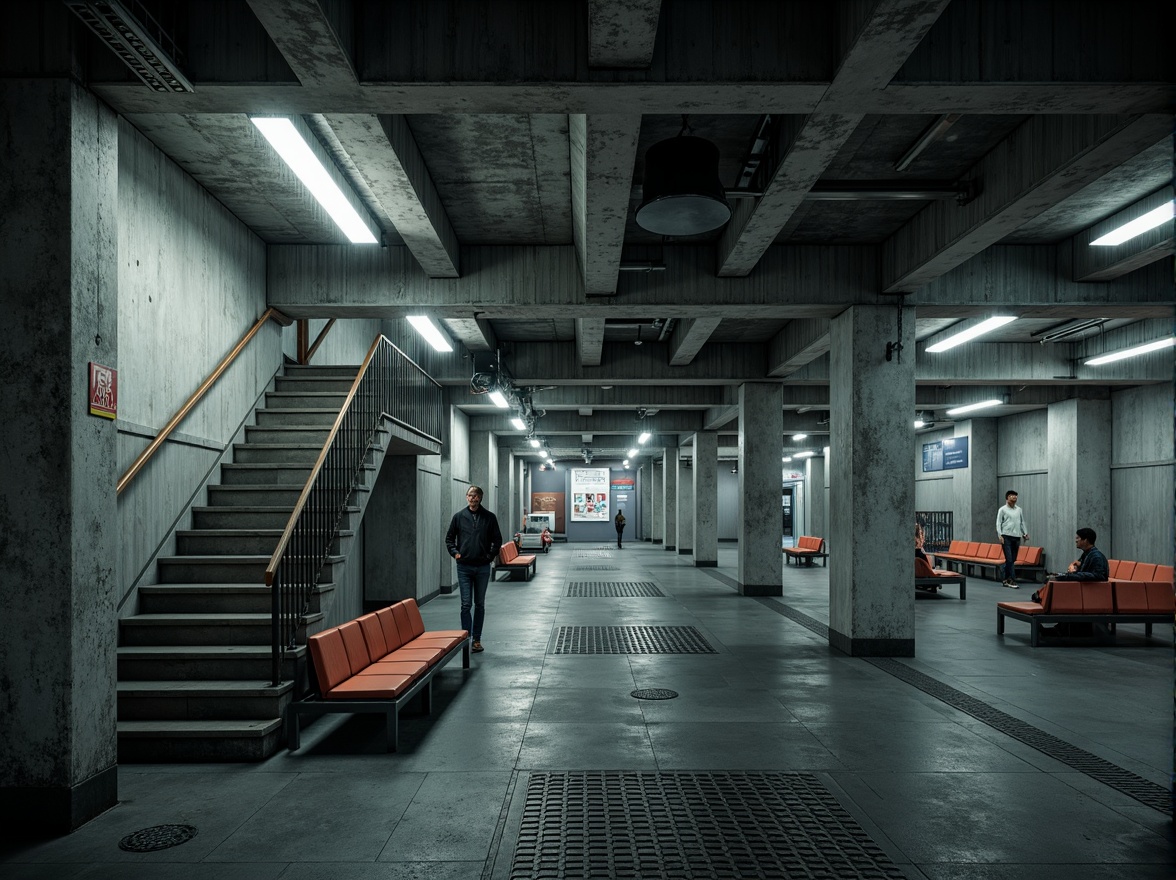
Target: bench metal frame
[527, 568]
[316, 706]
[1104, 624]
[807, 555]
[932, 584]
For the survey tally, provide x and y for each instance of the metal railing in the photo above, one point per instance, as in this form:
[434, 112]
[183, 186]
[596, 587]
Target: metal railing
[390, 386]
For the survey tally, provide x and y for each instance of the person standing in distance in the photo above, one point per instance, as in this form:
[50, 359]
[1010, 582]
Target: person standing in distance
[619, 522]
[473, 540]
[1010, 526]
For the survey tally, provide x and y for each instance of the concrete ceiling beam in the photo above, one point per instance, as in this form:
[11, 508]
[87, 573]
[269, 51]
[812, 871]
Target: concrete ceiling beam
[886, 35]
[589, 341]
[688, 338]
[798, 343]
[1045, 160]
[598, 424]
[308, 42]
[602, 152]
[476, 334]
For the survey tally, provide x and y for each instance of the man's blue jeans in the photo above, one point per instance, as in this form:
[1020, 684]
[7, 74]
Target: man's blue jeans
[472, 581]
[1011, 546]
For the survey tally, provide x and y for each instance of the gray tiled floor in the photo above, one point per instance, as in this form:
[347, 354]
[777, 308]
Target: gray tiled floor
[944, 794]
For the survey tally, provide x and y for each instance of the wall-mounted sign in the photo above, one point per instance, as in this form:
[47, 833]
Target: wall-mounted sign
[945, 455]
[103, 391]
[590, 495]
[622, 484]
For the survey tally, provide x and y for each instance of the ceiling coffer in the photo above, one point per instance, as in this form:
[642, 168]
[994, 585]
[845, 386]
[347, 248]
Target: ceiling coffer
[682, 191]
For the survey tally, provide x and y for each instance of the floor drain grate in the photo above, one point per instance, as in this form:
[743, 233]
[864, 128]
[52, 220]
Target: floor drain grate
[594, 554]
[809, 623]
[1146, 792]
[683, 825]
[596, 568]
[629, 640]
[613, 589]
[653, 694]
[157, 837]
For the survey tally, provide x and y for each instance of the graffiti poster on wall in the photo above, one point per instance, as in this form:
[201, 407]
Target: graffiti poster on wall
[590, 495]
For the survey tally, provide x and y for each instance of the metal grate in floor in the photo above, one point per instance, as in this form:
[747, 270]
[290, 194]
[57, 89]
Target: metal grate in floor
[157, 837]
[596, 568]
[613, 589]
[629, 640]
[690, 825]
[1146, 792]
[594, 554]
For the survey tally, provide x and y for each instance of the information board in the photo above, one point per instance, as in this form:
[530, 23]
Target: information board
[590, 495]
[945, 455]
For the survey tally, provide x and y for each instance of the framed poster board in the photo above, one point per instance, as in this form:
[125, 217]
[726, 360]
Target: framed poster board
[590, 495]
[945, 455]
[550, 502]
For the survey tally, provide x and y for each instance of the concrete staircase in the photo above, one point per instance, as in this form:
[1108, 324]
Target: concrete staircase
[194, 664]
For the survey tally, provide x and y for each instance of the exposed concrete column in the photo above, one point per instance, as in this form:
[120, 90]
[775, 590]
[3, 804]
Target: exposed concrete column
[974, 488]
[670, 497]
[761, 432]
[391, 525]
[657, 489]
[509, 519]
[706, 499]
[58, 510]
[872, 492]
[814, 497]
[522, 481]
[484, 469]
[1079, 481]
[645, 477]
[685, 505]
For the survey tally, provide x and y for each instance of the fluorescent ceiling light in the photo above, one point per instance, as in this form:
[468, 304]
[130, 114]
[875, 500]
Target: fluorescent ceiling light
[919, 423]
[534, 443]
[625, 462]
[498, 399]
[519, 424]
[633, 453]
[972, 332]
[644, 438]
[805, 454]
[1131, 352]
[786, 458]
[984, 404]
[432, 335]
[1138, 226]
[296, 153]
[799, 436]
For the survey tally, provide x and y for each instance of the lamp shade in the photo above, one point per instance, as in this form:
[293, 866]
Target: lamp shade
[682, 191]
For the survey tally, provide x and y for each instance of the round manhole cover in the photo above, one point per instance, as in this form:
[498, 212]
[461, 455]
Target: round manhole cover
[654, 694]
[157, 837]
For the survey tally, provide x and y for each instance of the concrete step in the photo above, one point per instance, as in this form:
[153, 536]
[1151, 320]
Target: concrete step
[244, 569]
[218, 598]
[253, 517]
[276, 453]
[315, 435]
[297, 418]
[255, 496]
[314, 383]
[197, 741]
[223, 542]
[319, 371]
[203, 662]
[199, 629]
[305, 399]
[209, 700]
[253, 474]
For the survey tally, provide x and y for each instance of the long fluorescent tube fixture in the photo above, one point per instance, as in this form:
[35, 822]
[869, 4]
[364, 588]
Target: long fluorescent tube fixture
[971, 333]
[799, 436]
[498, 400]
[1130, 352]
[984, 404]
[805, 454]
[429, 331]
[284, 138]
[1138, 226]
[644, 438]
[519, 424]
[919, 423]
[633, 453]
[534, 443]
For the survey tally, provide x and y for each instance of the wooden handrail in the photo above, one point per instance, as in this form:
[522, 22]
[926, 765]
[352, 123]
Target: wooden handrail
[284, 540]
[153, 447]
[318, 340]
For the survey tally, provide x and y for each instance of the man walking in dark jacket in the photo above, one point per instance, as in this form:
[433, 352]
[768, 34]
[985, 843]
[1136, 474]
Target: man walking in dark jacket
[473, 540]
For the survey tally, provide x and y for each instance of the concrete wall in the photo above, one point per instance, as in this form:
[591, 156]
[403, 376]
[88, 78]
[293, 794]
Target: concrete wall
[347, 342]
[1141, 475]
[728, 503]
[191, 282]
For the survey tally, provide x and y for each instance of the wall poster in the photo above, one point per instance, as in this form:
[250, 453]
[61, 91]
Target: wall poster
[945, 455]
[553, 502]
[590, 495]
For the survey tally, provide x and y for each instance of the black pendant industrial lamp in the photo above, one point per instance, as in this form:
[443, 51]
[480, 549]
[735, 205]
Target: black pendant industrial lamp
[682, 193]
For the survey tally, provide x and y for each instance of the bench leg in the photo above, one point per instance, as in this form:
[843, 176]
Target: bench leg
[1147, 630]
[1034, 633]
[392, 728]
[999, 623]
[293, 732]
[963, 589]
[465, 655]
[427, 697]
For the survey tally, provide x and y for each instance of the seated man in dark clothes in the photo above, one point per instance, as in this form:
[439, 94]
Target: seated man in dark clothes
[1090, 566]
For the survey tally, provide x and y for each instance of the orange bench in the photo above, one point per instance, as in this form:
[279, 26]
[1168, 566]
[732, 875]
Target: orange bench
[980, 556]
[1103, 603]
[376, 664]
[931, 579]
[807, 548]
[509, 560]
